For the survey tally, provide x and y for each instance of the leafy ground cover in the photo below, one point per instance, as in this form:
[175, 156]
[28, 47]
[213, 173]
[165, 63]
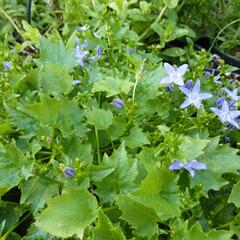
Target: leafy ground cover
[110, 131]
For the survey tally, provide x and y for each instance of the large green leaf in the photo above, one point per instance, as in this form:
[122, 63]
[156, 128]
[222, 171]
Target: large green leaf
[122, 179]
[56, 80]
[99, 118]
[106, 230]
[218, 159]
[235, 196]
[159, 191]
[142, 218]
[69, 214]
[55, 53]
[13, 166]
[36, 191]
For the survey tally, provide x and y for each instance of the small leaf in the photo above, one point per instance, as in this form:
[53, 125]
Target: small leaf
[99, 118]
[68, 214]
[171, 3]
[106, 230]
[136, 138]
[143, 219]
[235, 196]
[174, 52]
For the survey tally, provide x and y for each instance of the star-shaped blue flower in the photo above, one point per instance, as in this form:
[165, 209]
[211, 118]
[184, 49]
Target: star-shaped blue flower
[194, 97]
[190, 166]
[232, 94]
[226, 115]
[175, 75]
[80, 54]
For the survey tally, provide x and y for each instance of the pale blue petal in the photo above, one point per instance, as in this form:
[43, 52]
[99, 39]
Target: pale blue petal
[186, 91]
[186, 103]
[234, 114]
[197, 104]
[196, 87]
[198, 165]
[176, 165]
[234, 123]
[169, 68]
[166, 80]
[191, 171]
[182, 69]
[225, 107]
[203, 96]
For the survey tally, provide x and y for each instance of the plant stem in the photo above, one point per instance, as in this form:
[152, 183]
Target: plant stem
[98, 146]
[155, 22]
[10, 20]
[219, 33]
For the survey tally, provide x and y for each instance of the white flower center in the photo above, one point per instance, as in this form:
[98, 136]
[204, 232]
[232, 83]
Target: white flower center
[193, 96]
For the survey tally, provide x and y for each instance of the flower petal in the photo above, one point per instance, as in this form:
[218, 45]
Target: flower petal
[169, 68]
[198, 165]
[176, 165]
[203, 96]
[186, 103]
[225, 107]
[185, 90]
[166, 80]
[234, 114]
[182, 69]
[196, 87]
[234, 123]
[191, 171]
[197, 104]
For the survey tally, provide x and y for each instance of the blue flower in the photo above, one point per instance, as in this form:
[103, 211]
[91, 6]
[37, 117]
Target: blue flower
[190, 166]
[75, 82]
[189, 84]
[226, 115]
[81, 54]
[83, 28]
[219, 101]
[7, 65]
[170, 88]
[69, 172]
[194, 97]
[99, 52]
[175, 75]
[232, 94]
[118, 103]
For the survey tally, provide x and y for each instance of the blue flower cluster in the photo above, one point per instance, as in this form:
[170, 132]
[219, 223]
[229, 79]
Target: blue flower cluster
[225, 109]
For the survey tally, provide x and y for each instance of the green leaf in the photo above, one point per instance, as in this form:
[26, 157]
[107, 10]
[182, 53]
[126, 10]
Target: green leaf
[37, 191]
[122, 179]
[235, 196]
[14, 166]
[31, 33]
[171, 3]
[56, 80]
[65, 114]
[174, 52]
[190, 148]
[142, 218]
[112, 86]
[218, 159]
[159, 191]
[99, 118]
[106, 230]
[55, 53]
[69, 214]
[136, 138]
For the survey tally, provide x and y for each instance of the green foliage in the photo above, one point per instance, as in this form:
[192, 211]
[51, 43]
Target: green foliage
[72, 212]
[73, 164]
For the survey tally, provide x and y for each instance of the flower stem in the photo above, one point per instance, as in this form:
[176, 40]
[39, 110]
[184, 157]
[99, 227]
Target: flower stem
[221, 32]
[10, 20]
[98, 146]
